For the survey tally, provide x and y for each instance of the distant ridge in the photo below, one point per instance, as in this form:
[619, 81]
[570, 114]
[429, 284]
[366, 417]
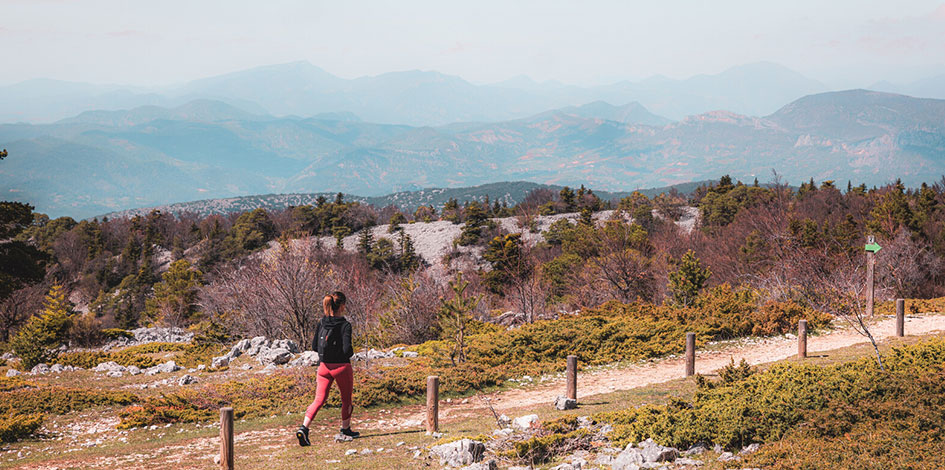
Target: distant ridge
[510, 193]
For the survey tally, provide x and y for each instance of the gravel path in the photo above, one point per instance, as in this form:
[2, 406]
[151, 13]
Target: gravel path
[607, 380]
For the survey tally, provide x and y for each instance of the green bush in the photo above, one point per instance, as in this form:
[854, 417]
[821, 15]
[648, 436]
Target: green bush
[828, 402]
[16, 427]
[37, 340]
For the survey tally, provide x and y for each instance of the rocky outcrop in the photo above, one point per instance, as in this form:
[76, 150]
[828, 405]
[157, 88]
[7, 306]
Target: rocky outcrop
[153, 335]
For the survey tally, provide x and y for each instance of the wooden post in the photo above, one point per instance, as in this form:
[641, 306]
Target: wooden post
[226, 438]
[572, 377]
[802, 339]
[900, 317]
[690, 354]
[433, 404]
[870, 263]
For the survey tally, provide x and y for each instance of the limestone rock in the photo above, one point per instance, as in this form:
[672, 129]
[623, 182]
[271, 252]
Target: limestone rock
[274, 356]
[653, 452]
[286, 344]
[13, 373]
[565, 403]
[487, 465]
[186, 379]
[459, 453]
[165, 368]
[39, 369]
[306, 359]
[525, 422]
[221, 361]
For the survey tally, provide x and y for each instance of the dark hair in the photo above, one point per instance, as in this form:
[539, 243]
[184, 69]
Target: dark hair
[332, 302]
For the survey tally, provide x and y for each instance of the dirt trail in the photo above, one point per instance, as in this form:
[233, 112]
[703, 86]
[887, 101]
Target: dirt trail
[608, 380]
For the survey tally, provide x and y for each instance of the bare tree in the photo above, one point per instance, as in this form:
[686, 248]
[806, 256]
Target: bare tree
[904, 265]
[839, 290]
[278, 294]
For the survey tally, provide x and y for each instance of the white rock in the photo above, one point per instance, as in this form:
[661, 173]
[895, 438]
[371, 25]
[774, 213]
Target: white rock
[39, 369]
[459, 453]
[114, 373]
[186, 379]
[56, 368]
[351, 452]
[410, 354]
[565, 403]
[525, 422]
[133, 370]
[13, 373]
[274, 356]
[306, 359]
[221, 361]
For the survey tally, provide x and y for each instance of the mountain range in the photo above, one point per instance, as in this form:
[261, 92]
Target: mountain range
[417, 98]
[103, 161]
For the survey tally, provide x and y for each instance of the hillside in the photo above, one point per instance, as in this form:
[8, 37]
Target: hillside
[207, 150]
[510, 193]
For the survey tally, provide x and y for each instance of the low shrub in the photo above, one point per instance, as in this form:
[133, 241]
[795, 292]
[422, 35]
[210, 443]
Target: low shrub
[58, 400]
[186, 355]
[19, 426]
[112, 334]
[829, 402]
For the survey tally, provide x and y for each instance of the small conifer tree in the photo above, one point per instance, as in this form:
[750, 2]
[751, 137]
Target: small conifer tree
[36, 342]
[688, 279]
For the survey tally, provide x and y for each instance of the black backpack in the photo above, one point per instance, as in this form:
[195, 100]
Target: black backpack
[328, 339]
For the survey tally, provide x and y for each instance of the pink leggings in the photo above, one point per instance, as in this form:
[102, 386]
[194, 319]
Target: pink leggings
[327, 373]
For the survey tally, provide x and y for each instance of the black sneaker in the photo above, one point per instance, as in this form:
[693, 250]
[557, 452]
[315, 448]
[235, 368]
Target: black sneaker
[348, 432]
[302, 434]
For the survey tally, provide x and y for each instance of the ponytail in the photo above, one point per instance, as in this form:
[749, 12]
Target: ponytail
[332, 302]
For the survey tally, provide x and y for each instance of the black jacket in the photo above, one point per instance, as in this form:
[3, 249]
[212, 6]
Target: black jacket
[332, 340]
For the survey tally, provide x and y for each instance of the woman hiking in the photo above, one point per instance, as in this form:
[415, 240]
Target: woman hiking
[333, 343]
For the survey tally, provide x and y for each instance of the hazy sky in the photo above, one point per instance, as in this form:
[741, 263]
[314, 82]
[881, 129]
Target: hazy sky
[841, 42]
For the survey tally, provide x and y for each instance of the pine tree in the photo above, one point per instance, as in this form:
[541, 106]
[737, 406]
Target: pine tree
[409, 261]
[175, 298]
[454, 314]
[688, 279]
[365, 240]
[37, 341]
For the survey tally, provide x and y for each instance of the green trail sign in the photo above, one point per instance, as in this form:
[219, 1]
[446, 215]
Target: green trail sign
[871, 245]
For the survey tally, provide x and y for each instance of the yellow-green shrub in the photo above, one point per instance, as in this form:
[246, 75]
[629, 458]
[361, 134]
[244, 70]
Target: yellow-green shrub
[19, 426]
[58, 400]
[764, 407]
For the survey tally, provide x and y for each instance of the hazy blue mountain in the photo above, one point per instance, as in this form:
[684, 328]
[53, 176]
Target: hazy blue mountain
[418, 98]
[100, 163]
[931, 87]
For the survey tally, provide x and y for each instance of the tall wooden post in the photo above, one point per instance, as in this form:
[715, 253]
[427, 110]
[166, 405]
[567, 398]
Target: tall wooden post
[802, 339]
[870, 263]
[572, 377]
[226, 438]
[433, 404]
[690, 354]
[900, 317]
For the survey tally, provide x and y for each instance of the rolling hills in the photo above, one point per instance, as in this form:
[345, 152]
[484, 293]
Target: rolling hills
[100, 162]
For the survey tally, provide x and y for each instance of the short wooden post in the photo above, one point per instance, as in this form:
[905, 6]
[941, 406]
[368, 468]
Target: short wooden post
[802, 339]
[900, 317]
[226, 438]
[690, 354]
[433, 404]
[572, 377]
[870, 263]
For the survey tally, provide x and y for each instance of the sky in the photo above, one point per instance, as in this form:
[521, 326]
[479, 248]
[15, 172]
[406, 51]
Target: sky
[843, 43]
